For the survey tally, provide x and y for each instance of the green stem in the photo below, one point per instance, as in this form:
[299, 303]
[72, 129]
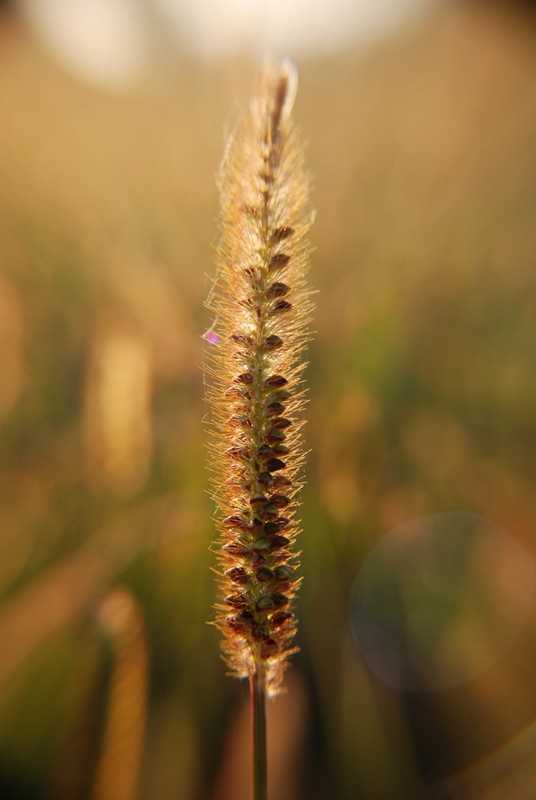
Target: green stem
[258, 730]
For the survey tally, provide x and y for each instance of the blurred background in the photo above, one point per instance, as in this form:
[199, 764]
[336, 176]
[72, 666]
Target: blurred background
[415, 677]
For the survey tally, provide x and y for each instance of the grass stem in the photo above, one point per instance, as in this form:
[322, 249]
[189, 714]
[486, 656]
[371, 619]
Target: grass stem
[258, 731]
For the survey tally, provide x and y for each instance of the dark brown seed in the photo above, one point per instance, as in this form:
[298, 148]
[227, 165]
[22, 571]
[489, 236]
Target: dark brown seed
[279, 600]
[269, 511]
[280, 500]
[254, 525]
[281, 449]
[269, 648]
[258, 561]
[240, 421]
[236, 480]
[264, 574]
[245, 378]
[274, 436]
[266, 479]
[281, 306]
[240, 623]
[273, 464]
[241, 338]
[257, 500]
[261, 544]
[238, 575]
[280, 396]
[280, 617]
[275, 381]
[235, 626]
[284, 572]
[265, 603]
[236, 601]
[239, 479]
[238, 453]
[234, 521]
[272, 342]
[265, 451]
[281, 481]
[237, 468]
[282, 233]
[279, 260]
[277, 290]
[277, 542]
[271, 527]
[238, 394]
[282, 423]
[241, 410]
[276, 525]
[258, 634]
[274, 408]
[284, 586]
[235, 549]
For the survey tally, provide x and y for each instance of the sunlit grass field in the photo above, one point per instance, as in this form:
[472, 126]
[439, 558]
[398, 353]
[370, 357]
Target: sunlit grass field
[422, 401]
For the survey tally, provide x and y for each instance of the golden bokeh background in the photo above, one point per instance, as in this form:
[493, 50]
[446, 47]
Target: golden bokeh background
[422, 402]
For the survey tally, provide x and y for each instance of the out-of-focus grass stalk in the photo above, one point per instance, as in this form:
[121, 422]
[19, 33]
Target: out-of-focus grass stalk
[60, 596]
[119, 763]
[261, 306]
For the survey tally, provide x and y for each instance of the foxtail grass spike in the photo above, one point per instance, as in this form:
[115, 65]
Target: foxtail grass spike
[261, 307]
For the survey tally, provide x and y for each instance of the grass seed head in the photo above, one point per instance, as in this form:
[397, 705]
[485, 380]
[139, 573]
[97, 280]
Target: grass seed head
[254, 368]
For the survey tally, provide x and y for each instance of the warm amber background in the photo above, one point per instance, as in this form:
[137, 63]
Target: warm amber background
[423, 400]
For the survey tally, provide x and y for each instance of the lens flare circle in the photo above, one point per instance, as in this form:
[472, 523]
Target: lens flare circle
[439, 600]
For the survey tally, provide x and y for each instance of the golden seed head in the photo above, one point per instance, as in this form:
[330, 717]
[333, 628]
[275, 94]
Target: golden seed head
[261, 305]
